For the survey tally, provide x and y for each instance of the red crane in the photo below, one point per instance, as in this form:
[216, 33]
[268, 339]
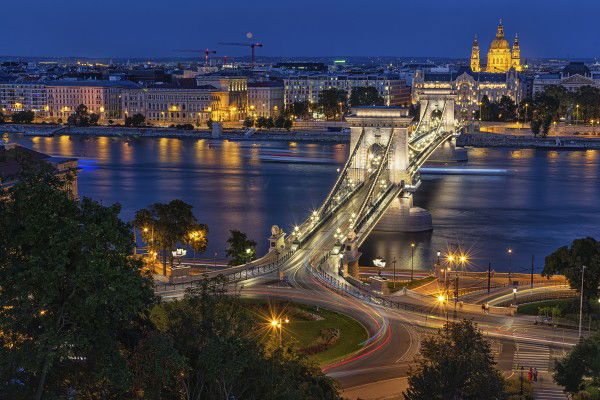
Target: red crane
[205, 51]
[251, 45]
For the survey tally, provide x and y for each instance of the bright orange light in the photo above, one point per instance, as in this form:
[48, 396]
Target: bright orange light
[441, 298]
[450, 258]
[274, 323]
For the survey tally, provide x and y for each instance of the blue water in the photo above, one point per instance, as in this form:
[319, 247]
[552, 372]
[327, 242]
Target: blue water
[547, 199]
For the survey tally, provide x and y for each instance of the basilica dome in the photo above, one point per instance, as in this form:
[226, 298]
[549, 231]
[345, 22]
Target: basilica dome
[500, 43]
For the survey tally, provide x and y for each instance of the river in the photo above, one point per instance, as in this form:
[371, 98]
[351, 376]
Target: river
[547, 199]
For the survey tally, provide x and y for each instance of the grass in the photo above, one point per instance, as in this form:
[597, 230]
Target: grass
[302, 331]
[532, 308]
[395, 286]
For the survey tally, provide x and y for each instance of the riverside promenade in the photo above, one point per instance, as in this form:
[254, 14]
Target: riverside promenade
[120, 131]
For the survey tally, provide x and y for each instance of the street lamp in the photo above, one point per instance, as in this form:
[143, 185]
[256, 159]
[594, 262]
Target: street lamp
[248, 254]
[581, 300]
[509, 251]
[515, 295]
[439, 253]
[412, 260]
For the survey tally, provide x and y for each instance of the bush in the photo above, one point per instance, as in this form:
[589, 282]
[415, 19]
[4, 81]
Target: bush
[248, 122]
[327, 338]
[135, 120]
[185, 127]
[513, 387]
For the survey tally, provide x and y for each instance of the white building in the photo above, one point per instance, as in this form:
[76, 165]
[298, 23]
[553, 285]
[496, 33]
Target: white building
[572, 77]
[21, 95]
[265, 99]
[308, 87]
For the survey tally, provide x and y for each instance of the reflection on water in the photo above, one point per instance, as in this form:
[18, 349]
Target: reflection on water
[548, 199]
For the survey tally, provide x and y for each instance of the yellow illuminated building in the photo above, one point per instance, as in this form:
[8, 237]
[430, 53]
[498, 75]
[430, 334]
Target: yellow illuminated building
[500, 57]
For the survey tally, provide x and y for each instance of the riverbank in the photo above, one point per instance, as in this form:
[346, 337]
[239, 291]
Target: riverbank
[48, 130]
[527, 142]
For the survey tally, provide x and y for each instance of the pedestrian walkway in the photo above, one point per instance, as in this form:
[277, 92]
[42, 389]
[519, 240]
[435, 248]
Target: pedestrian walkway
[530, 356]
[546, 389]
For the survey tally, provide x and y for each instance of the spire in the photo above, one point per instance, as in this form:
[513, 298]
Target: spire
[500, 33]
[516, 44]
[475, 41]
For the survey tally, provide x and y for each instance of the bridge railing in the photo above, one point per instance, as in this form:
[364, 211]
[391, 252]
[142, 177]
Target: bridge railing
[240, 274]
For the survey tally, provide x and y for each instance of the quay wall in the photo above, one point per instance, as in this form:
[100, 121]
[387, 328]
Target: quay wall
[518, 141]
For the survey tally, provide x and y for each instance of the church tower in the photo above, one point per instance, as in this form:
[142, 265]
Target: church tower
[475, 63]
[499, 56]
[516, 54]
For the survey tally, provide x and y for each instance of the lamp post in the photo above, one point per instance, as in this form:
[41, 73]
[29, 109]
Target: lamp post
[509, 251]
[248, 254]
[515, 295]
[439, 253]
[394, 264]
[412, 260]
[581, 300]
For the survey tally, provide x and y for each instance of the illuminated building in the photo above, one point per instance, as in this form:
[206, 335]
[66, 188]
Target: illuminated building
[235, 84]
[21, 95]
[308, 87]
[179, 103]
[265, 99]
[468, 86]
[100, 97]
[500, 57]
[572, 77]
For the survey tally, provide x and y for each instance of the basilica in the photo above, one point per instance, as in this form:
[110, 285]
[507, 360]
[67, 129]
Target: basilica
[500, 57]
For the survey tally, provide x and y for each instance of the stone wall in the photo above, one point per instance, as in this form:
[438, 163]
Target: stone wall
[518, 141]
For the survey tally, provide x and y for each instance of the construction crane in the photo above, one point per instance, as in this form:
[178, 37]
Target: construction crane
[205, 51]
[251, 45]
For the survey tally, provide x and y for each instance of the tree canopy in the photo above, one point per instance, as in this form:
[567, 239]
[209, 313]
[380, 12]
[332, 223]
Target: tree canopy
[136, 120]
[365, 96]
[455, 364]
[69, 290]
[568, 261]
[23, 117]
[581, 363]
[82, 117]
[333, 103]
[241, 249]
[163, 226]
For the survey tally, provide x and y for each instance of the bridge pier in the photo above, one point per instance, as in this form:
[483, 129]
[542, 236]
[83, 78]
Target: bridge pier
[403, 216]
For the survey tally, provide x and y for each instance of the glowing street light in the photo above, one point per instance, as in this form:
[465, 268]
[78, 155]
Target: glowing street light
[412, 260]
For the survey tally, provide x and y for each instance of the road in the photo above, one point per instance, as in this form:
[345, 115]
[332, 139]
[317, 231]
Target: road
[394, 335]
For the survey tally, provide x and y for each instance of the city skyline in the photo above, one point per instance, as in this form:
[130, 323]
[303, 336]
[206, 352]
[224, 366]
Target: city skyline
[315, 30]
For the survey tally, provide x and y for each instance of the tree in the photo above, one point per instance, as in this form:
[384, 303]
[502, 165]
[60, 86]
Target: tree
[457, 363]
[209, 123]
[94, 119]
[23, 117]
[248, 122]
[225, 356]
[135, 120]
[535, 126]
[81, 116]
[333, 103]
[165, 225]
[507, 109]
[579, 364]
[69, 290]
[261, 122]
[546, 124]
[365, 96]
[298, 109]
[1, 118]
[241, 249]
[569, 262]
[269, 123]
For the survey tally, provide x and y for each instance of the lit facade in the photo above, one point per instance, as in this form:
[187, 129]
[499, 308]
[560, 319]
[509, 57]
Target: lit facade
[500, 57]
[19, 95]
[100, 97]
[307, 88]
[265, 99]
[469, 88]
[165, 105]
[236, 87]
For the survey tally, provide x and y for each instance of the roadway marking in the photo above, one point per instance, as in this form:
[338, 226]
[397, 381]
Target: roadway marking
[530, 356]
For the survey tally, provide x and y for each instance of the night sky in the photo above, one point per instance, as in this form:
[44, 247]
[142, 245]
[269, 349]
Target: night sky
[444, 28]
